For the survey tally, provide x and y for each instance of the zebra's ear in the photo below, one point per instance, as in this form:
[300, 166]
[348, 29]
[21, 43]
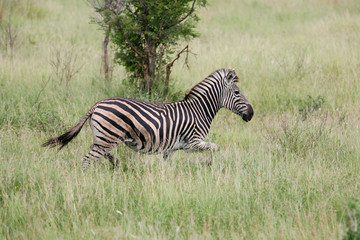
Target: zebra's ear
[231, 77]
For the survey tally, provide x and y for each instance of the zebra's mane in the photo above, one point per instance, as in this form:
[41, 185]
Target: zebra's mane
[203, 86]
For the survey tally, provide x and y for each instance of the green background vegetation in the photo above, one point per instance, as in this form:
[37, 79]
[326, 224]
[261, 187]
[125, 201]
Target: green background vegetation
[290, 173]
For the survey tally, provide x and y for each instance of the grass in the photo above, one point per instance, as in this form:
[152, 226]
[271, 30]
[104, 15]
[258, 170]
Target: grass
[290, 173]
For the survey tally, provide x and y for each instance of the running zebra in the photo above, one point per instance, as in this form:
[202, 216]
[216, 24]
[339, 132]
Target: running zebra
[160, 128]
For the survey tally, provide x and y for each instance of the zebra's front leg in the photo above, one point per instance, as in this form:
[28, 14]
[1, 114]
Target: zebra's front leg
[211, 147]
[201, 146]
[168, 154]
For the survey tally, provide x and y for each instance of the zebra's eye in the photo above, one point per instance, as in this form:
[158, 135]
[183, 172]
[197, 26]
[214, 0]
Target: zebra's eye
[237, 92]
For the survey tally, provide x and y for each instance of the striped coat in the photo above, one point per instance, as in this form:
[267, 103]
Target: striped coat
[160, 128]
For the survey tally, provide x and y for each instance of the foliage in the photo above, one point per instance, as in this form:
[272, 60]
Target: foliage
[353, 218]
[310, 105]
[299, 138]
[146, 34]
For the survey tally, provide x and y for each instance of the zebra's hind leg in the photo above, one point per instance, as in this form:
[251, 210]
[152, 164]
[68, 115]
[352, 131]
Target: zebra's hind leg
[97, 151]
[113, 161]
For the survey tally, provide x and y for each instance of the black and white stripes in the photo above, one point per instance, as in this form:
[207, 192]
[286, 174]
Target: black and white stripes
[160, 128]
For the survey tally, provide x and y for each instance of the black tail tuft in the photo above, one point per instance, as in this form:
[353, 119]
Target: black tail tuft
[68, 136]
[61, 140]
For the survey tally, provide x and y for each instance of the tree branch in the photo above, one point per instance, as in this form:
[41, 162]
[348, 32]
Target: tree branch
[169, 66]
[182, 19]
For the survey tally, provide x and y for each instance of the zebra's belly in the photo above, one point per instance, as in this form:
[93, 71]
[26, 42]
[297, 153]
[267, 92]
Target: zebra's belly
[179, 144]
[160, 146]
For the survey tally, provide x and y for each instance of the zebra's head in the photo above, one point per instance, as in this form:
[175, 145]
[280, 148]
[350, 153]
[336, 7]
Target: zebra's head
[233, 99]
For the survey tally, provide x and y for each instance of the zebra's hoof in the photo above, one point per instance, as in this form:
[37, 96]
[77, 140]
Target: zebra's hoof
[208, 162]
[213, 147]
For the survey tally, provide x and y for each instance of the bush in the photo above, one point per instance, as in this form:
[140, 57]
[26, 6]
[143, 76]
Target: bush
[298, 137]
[310, 105]
[353, 220]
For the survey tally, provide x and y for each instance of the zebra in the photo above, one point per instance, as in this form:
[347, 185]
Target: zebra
[160, 128]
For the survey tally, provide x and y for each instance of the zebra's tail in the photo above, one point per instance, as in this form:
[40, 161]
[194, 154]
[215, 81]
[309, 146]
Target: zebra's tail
[65, 138]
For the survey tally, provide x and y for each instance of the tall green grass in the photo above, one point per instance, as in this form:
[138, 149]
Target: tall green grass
[290, 173]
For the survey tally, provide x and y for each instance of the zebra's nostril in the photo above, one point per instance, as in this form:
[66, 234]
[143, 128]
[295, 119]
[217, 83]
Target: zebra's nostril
[250, 110]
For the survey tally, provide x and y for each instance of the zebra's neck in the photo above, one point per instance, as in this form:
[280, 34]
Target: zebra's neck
[204, 108]
[205, 98]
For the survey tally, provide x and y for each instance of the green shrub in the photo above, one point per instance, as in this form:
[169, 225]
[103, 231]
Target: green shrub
[309, 105]
[353, 220]
[299, 137]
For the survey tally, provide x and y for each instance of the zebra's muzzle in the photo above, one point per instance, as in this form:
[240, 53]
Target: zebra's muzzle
[247, 116]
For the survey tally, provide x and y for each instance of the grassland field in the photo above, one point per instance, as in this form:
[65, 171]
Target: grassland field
[293, 172]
